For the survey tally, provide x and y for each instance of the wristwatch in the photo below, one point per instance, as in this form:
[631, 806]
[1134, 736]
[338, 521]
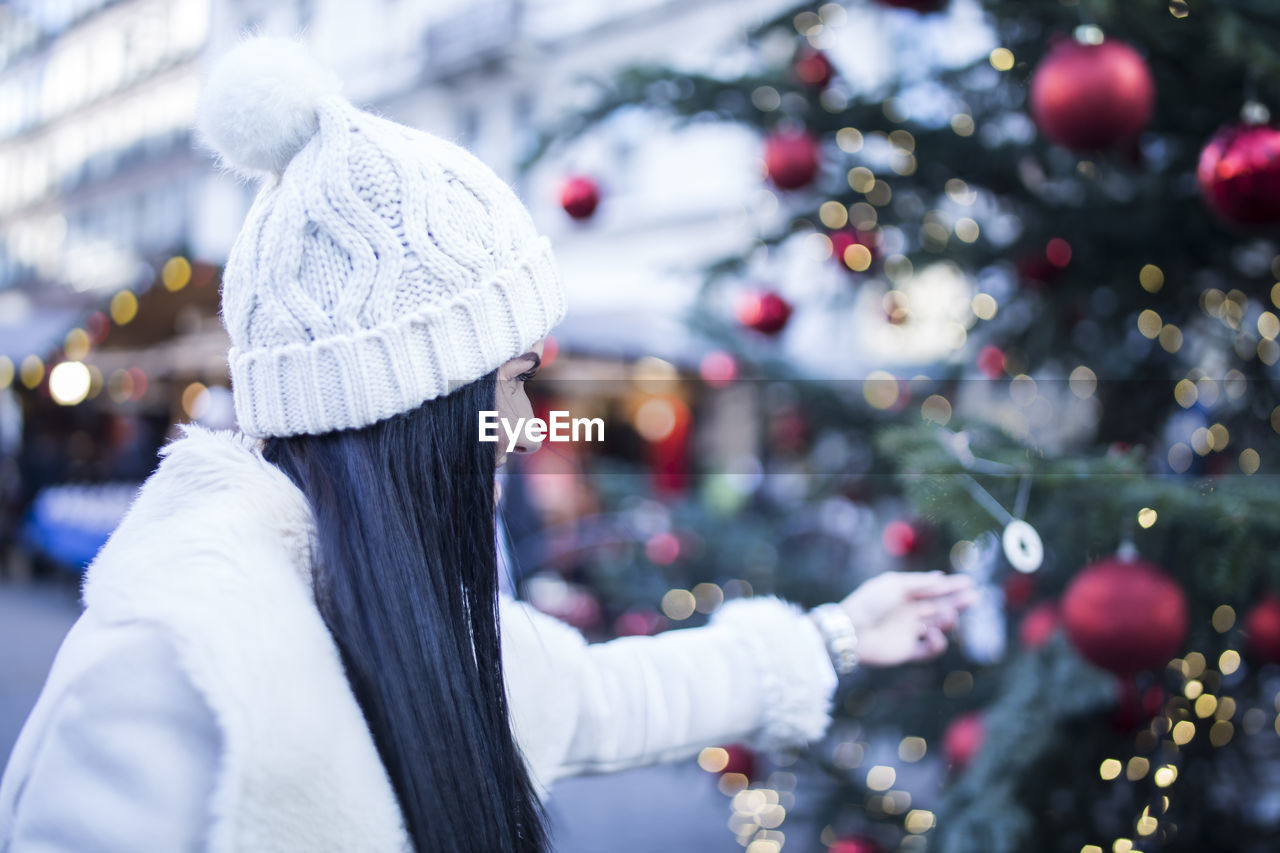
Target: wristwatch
[841, 638]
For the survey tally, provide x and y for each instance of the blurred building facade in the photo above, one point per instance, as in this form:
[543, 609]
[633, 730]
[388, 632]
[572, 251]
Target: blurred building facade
[96, 173]
[109, 208]
[101, 180]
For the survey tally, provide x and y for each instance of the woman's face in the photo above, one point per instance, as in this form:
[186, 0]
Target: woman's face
[512, 403]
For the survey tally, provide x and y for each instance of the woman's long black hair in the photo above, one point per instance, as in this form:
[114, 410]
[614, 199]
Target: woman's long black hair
[406, 580]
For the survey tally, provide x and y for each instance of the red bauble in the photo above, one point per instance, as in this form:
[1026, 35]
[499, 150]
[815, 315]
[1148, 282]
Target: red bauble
[917, 5]
[812, 68]
[791, 159]
[1038, 625]
[1092, 96]
[579, 197]
[963, 738]
[741, 760]
[1125, 615]
[854, 844]
[901, 538]
[841, 241]
[1262, 628]
[1239, 174]
[991, 362]
[765, 312]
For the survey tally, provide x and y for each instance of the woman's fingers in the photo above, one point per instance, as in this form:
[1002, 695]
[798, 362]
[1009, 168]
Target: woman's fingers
[961, 600]
[936, 585]
[932, 643]
[943, 616]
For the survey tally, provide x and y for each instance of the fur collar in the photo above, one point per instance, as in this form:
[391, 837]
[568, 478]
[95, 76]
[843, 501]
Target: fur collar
[216, 551]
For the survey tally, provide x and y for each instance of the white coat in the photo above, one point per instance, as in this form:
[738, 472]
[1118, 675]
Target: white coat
[200, 701]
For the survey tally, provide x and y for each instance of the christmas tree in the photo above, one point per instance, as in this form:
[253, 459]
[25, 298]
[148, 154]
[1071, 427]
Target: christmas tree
[1094, 438]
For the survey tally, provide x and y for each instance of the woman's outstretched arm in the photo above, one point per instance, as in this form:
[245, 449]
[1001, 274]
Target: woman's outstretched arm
[758, 673]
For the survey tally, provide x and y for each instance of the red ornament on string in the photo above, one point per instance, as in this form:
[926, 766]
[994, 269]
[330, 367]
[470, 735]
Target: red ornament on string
[1092, 96]
[963, 738]
[1038, 625]
[1125, 615]
[766, 312]
[854, 844]
[843, 240]
[1239, 174]
[791, 159]
[1262, 628]
[812, 68]
[579, 197]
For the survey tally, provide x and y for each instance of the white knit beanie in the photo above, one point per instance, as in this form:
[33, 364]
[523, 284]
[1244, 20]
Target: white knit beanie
[379, 266]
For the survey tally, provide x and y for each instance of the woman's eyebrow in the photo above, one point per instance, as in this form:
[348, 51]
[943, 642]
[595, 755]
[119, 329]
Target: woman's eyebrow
[537, 359]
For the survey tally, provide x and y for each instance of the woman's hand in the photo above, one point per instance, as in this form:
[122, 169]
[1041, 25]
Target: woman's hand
[902, 616]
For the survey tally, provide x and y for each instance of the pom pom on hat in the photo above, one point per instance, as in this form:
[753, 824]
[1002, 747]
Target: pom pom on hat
[352, 293]
[258, 107]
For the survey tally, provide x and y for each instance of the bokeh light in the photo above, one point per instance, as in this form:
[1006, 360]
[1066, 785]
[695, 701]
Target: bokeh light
[69, 383]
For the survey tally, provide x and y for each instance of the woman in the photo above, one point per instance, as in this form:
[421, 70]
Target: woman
[292, 640]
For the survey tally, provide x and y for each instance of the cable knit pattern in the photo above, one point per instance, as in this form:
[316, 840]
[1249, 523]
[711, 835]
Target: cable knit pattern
[380, 268]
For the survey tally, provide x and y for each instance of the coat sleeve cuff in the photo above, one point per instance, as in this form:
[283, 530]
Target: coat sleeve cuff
[792, 668]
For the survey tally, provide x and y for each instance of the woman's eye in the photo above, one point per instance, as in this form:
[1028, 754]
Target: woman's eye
[527, 375]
